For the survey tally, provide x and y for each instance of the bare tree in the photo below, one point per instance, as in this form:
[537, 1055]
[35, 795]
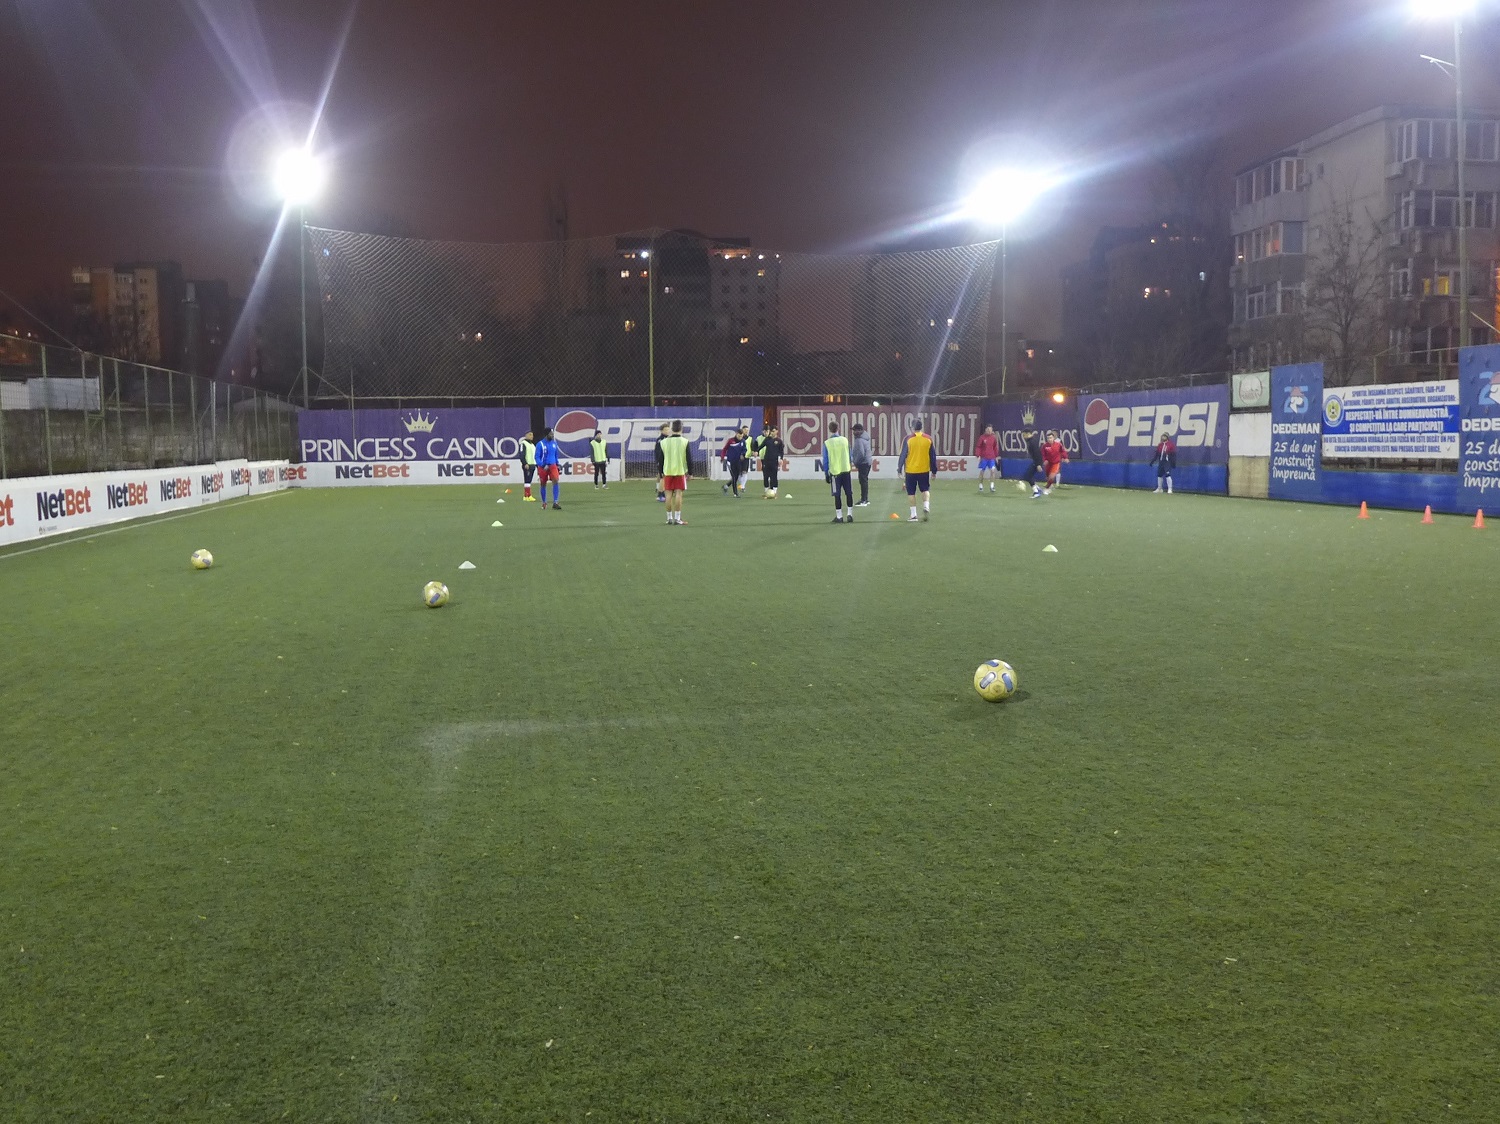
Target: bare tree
[1344, 314]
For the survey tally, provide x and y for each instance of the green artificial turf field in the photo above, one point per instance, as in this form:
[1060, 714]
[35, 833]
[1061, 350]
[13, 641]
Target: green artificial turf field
[708, 823]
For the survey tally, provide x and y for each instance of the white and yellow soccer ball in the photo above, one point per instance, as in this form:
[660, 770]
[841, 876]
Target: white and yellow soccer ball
[201, 559]
[435, 595]
[995, 680]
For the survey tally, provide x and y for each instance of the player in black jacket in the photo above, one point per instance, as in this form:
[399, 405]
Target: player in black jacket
[661, 494]
[1034, 451]
[771, 450]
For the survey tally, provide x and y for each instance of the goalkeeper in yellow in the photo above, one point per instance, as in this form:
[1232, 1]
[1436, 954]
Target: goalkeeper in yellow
[919, 462]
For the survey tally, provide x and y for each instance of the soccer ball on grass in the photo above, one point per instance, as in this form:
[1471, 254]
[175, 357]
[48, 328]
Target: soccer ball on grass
[995, 680]
[201, 559]
[435, 595]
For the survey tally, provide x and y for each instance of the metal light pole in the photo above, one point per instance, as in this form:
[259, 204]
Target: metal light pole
[651, 320]
[1004, 326]
[302, 261]
[1463, 200]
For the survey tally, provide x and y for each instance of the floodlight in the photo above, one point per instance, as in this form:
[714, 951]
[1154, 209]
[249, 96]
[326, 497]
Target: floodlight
[299, 176]
[1441, 9]
[1059, 397]
[1005, 195]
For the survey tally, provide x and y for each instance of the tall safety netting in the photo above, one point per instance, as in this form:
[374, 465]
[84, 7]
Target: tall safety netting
[669, 314]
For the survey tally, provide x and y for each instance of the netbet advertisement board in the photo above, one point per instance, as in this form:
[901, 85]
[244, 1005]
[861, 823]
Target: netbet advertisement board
[1479, 407]
[1124, 428]
[415, 446]
[1296, 432]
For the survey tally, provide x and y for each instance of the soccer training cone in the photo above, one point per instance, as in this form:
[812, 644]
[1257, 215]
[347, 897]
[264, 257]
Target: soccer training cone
[1427, 514]
[1364, 510]
[1479, 520]
[895, 516]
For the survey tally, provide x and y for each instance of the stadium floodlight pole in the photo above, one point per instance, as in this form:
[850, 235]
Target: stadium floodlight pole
[999, 200]
[299, 177]
[650, 256]
[1456, 10]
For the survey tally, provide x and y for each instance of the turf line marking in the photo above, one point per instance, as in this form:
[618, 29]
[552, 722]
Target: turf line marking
[152, 522]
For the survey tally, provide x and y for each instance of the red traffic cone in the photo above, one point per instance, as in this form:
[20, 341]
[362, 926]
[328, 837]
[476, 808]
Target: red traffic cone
[1479, 520]
[1364, 510]
[1427, 514]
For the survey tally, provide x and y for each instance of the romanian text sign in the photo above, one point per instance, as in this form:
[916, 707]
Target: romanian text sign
[1399, 421]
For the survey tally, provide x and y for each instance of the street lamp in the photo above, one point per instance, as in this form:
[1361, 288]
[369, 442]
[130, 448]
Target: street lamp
[299, 177]
[1000, 199]
[1455, 10]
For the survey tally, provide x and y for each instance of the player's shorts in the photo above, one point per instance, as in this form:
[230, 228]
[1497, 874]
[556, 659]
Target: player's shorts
[674, 483]
[986, 464]
[527, 472]
[918, 482]
[547, 472]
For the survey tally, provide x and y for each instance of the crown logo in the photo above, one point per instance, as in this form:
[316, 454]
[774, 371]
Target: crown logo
[419, 423]
[1028, 415]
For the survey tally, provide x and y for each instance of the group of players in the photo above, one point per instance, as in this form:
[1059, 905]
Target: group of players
[843, 458]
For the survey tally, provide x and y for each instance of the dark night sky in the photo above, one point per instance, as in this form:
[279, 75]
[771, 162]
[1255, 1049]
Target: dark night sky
[804, 124]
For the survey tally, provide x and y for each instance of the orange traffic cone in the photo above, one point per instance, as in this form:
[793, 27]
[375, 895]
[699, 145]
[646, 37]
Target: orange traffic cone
[1364, 510]
[1427, 514]
[1479, 520]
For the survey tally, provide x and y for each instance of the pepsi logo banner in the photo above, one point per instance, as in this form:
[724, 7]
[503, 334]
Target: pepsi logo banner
[1479, 407]
[631, 431]
[1126, 427]
[953, 429]
[348, 436]
[1296, 432]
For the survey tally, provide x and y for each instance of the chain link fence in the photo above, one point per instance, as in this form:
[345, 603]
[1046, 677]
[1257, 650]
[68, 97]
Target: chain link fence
[64, 410]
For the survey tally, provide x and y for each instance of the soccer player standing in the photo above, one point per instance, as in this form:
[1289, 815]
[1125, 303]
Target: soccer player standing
[859, 457]
[987, 450]
[836, 468]
[661, 493]
[771, 449]
[919, 463]
[527, 457]
[675, 472]
[548, 456]
[600, 453]
[1165, 459]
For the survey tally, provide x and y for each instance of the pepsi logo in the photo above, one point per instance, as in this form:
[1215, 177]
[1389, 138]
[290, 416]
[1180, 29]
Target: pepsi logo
[573, 432]
[1096, 426]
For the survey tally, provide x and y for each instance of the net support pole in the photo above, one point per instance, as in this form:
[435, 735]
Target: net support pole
[651, 323]
[46, 410]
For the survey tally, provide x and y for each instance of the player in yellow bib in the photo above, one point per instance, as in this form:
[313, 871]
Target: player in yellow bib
[836, 468]
[919, 462]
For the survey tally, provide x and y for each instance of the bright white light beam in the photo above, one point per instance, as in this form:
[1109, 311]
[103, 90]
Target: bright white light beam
[1441, 9]
[299, 177]
[1005, 195]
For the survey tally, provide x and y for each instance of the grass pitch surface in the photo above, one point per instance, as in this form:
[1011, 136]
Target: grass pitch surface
[708, 823]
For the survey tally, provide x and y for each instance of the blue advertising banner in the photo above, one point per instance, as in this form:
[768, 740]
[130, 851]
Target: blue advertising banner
[1296, 432]
[347, 436]
[1012, 419]
[1479, 406]
[631, 431]
[1124, 428]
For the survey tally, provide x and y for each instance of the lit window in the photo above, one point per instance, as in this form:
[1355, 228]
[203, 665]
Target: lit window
[630, 325]
[666, 288]
[1146, 292]
[478, 337]
[645, 273]
[760, 273]
[744, 339]
[624, 273]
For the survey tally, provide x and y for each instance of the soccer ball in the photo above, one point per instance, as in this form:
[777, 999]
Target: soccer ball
[995, 680]
[201, 559]
[1020, 485]
[435, 595]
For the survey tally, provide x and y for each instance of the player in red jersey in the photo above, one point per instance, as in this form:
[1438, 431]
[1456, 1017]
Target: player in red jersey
[987, 450]
[1053, 454]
